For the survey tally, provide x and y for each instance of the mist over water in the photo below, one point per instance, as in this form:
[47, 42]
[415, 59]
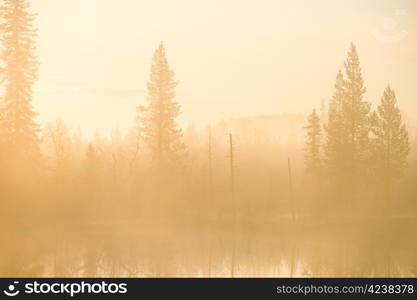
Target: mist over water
[265, 193]
[128, 223]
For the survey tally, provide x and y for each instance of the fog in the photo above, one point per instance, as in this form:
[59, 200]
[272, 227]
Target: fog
[196, 139]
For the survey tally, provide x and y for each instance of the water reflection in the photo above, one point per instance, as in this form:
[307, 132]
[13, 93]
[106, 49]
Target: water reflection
[374, 247]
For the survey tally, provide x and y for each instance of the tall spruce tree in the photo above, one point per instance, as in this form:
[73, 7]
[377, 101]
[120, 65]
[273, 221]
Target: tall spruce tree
[19, 72]
[355, 116]
[347, 132]
[157, 119]
[313, 137]
[334, 129]
[390, 144]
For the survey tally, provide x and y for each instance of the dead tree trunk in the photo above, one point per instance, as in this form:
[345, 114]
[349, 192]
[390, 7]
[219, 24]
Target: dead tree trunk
[293, 212]
[232, 171]
[210, 165]
[210, 198]
[232, 190]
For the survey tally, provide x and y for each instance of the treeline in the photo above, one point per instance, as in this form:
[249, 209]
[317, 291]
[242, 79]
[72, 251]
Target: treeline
[355, 154]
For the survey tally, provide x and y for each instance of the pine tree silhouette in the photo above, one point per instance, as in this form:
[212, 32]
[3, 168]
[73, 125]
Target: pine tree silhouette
[355, 116]
[347, 140]
[20, 131]
[157, 120]
[335, 137]
[390, 144]
[313, 159]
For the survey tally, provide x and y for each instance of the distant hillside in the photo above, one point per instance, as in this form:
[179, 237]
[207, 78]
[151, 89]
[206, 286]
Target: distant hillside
[282, 127]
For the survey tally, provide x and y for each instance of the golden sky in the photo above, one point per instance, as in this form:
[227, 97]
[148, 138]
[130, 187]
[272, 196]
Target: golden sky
[232, 58]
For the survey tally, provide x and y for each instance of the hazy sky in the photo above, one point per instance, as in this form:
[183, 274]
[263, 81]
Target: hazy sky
[231, 57]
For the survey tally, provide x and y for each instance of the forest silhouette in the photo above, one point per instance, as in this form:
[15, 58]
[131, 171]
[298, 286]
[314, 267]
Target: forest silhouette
[332, 193]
